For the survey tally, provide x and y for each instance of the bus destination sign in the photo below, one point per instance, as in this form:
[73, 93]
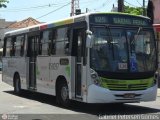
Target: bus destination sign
[100, 19]
[127, 21]
[119, 20]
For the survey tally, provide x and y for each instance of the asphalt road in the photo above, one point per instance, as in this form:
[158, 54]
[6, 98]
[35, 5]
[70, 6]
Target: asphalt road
[33, 106]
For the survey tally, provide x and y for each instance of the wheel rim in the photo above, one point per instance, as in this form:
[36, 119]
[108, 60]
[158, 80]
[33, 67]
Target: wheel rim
[64, 93]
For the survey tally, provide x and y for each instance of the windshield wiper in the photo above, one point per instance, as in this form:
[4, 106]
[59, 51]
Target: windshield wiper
[135, 39]
[110, 40]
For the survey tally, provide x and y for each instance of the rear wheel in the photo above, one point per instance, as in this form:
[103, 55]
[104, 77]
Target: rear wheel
[62, 95]
[17, 85]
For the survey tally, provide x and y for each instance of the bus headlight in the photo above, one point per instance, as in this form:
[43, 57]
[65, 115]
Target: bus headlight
[95, 78]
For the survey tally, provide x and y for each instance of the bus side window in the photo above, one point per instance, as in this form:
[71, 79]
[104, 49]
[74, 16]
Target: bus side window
[53, 42]
[13, 44]
[22, 46]
[50, 42]
[18, 46]
[4, 47]
[62, 41]
[46, 42]
[8, 47]
[67, 43]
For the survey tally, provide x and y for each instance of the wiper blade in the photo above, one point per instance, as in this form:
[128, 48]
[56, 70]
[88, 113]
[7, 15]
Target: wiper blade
[111, 41]
[134, 39]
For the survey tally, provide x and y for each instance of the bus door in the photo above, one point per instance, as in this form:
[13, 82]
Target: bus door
[78, 47]
[32, 54]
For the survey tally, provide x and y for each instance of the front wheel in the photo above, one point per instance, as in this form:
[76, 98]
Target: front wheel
[62, 96]
[17, 85]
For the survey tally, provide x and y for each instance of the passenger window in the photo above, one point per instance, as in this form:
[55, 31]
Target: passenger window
[62, 41]
[53, 43]
[19, 46]
[8, 47]
[46, 42]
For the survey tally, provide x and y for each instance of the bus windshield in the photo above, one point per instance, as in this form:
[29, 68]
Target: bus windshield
[120, 49]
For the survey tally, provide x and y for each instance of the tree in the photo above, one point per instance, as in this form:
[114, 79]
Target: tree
[3, 3]
[133, 10]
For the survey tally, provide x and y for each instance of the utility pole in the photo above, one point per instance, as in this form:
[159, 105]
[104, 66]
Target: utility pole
[75, 7]
[120, 5]
[144, 10]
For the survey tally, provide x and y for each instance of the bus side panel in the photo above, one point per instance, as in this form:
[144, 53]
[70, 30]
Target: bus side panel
[61, 66]
[43, 83]
[46, 82]
[11, 66]
[7, 73]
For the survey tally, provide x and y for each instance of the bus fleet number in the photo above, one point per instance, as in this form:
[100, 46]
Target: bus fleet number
[53, 66]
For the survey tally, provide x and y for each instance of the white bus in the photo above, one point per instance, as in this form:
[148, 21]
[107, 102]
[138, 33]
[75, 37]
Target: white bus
[92, 58]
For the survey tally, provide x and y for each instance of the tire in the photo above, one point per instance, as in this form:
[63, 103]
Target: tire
[62, 96]
[17, 85]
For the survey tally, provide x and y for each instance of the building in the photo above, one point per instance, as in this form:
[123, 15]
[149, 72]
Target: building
[6, 26]
[3, 27]
[156, 19]
[155, 6]
[156, 10]
[24, 23]
[114, 9]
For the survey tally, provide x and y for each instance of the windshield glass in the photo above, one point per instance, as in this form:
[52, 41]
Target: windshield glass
[142, 50]
[123, 50]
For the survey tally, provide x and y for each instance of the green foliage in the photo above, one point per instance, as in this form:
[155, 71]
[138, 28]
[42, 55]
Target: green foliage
[3, 3]
[133, 10]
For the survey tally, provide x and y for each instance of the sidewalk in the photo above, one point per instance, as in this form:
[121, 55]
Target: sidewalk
[158, 92]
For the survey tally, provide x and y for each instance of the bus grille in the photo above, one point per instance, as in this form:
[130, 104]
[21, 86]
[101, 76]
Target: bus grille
[127, 85]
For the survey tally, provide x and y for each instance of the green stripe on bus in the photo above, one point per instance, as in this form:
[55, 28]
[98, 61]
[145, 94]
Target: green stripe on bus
[68, 72]
[64, 22]
[138, 84]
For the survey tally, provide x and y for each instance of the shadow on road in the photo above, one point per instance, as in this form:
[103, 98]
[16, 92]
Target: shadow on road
[94, 109]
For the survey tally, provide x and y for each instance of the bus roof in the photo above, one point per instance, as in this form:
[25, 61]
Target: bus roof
[66, 21]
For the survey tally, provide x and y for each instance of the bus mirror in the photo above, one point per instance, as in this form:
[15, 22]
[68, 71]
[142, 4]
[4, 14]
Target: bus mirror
[88, 32]
[89, 40]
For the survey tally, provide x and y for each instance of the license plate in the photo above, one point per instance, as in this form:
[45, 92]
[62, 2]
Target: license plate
[129, 95]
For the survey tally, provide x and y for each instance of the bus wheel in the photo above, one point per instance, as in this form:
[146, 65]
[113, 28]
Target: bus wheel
[17, 85]
[63, 94]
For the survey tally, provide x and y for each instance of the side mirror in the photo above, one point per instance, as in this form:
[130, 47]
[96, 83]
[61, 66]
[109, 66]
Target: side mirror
[89, 40]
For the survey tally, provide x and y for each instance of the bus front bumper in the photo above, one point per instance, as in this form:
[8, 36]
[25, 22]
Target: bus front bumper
[98, 94]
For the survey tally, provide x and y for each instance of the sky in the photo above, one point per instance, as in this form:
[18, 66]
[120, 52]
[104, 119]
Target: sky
[51, 10]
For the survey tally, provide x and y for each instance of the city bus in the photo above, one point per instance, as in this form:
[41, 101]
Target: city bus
[91, 58]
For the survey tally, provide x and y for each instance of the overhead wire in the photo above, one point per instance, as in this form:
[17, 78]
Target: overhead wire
[130, 4]
[103, 5]
[38, 7]
[57, 10]
[35, 7]
[54, 10]
[30, 8]
[139, 3]
[88, 2]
